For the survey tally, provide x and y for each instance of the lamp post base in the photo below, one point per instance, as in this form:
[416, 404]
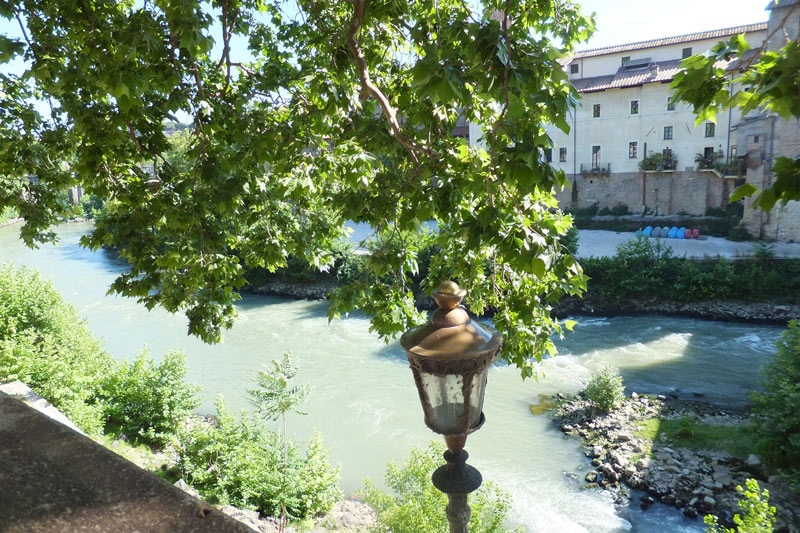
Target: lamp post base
[457, 479]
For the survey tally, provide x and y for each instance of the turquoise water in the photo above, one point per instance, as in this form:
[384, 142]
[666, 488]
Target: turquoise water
[363, 398]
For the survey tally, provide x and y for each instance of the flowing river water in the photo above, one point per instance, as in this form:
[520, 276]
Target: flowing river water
[363, 398]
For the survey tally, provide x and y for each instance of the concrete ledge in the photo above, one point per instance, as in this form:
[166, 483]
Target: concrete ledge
[53, 479]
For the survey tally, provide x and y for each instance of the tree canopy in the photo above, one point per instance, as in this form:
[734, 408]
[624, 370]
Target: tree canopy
[770, 81]
[344, 111]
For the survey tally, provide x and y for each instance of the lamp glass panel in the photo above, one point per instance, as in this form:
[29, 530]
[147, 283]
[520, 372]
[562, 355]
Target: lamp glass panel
[446, 397]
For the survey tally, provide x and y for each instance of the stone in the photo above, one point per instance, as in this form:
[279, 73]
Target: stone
[690, 511]
[624, 437]
[591, 476]
[753, 460]
[668, 499]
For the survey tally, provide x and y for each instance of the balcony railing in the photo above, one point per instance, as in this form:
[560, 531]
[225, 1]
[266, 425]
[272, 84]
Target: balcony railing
[658, 163]
[599, 170]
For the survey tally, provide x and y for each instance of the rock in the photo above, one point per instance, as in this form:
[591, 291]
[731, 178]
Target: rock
[668, 499]
[591, 476]
[753, 460]
[624, 437]
[634, 396]
[566, 428]
[693, 501]
[690, 511]
[629, 471]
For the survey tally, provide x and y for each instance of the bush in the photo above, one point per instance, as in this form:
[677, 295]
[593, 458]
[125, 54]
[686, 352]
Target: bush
[418, 507]
[239, 462]
[44, 343]
[775, 407]
[739, 233]
[605, 389]
[758, 517]
[147, 401]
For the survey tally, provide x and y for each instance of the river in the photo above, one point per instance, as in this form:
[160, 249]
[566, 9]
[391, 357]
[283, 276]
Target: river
[363, 398]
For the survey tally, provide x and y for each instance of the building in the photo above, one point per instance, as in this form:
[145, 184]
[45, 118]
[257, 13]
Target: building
[763, 137]
[629, 144]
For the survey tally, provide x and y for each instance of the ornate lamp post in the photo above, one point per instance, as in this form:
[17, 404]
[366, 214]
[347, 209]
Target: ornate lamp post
[450, 357]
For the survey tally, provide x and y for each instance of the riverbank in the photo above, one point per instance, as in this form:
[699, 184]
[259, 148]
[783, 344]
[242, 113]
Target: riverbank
[684, 454]
[724, 311]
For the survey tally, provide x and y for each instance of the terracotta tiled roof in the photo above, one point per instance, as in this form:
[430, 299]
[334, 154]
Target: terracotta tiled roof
[656, 72]
[689, 37]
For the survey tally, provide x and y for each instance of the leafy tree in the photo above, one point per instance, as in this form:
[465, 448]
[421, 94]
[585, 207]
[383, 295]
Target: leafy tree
[418, 507]
[757, 516]
[274, 397]
[775, 405]
[342, 111]
[770, 81]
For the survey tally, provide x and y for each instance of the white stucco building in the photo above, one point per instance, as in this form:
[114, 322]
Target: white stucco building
[625, 113]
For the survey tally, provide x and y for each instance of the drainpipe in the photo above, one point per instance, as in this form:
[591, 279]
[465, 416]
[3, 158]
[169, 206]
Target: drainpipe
[728, 147]
[768, 174]
[575, 151]
[644, 181]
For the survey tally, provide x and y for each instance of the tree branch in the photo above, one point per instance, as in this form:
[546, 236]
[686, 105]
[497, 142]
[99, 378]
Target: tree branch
[368, 88]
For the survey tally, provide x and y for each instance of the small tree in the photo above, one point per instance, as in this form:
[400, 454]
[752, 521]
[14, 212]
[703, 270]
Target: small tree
[418, 507]
[274, 397]
[605, 390]
[776, 405]
[758, 516]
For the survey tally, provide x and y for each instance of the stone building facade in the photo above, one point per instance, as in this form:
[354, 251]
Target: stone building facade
[767, 136]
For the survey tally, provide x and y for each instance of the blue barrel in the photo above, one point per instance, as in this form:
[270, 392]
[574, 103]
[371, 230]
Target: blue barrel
[656, 233]
[647, 231]
[672, 232]
[681, 233]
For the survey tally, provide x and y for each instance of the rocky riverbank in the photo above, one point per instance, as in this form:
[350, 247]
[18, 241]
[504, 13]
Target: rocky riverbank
[625, 456]
[727, 311]
[723, 310]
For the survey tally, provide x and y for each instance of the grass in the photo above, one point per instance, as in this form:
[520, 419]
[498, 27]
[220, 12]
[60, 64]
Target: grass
[140, 455]
[738, 440]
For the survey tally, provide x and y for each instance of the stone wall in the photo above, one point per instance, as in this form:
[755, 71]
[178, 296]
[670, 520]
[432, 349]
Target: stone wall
[664, 193]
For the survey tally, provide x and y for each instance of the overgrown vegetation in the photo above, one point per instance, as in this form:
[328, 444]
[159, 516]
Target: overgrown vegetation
[643, 269]
[146, 400]
[757, 515]
[45, 344]
[239, 462]
[775, 406]
[605, 389]
[418, 507]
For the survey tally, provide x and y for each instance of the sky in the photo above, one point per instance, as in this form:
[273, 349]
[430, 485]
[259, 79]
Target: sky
[625, 21]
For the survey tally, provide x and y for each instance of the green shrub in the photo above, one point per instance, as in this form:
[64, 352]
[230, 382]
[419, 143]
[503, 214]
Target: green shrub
[775, 407]
[739, 233]
[418, 507]
[147, 401]
[758, 516]
[7, 214]
[605, 389]
[570, 240]
[239, 462]
[44, 343]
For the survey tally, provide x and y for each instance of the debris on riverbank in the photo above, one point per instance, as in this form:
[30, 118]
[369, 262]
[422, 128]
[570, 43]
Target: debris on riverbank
[629, 449]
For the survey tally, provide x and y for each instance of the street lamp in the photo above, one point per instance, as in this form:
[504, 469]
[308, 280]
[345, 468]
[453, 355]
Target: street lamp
[450, 357]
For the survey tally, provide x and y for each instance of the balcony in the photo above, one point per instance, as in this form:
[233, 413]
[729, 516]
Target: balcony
[599, 170]
[659, 162]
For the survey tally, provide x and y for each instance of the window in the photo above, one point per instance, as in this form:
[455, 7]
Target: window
[708, 154]
[626, 59]
[573, 68]
[686, 53]
[733, 151]
[670, 104]
[634, 107]
[710, 129]
[548, 154]
[633, 150]
[595, 157]
[596, 110]
[667, 133]
[755, 139]
[562, 155]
